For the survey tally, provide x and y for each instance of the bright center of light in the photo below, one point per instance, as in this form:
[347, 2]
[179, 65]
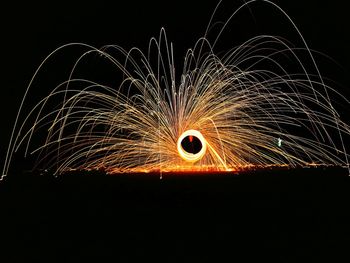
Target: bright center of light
[191, 146]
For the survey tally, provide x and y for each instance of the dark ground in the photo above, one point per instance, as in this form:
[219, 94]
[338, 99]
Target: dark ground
[281, 216]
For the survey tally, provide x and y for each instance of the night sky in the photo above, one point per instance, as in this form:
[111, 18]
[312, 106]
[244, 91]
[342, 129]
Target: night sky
[291, 216]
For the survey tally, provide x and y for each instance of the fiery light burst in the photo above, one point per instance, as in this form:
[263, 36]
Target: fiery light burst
[242, 109]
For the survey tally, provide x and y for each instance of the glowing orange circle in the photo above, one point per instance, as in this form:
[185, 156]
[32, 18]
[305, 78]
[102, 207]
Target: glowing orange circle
[190, 157]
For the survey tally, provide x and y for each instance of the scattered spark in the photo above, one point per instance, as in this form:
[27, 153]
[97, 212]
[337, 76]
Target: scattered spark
[279, 142]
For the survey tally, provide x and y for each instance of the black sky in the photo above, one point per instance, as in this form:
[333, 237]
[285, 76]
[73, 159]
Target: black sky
[31, 30]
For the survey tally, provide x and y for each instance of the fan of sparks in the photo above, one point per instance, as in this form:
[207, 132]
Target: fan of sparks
[245, 108]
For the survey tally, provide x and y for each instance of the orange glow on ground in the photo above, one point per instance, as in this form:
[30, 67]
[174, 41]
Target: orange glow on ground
[199, 170]
[207, 171]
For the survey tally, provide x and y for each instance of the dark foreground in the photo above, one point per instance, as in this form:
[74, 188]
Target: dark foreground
[282, 216]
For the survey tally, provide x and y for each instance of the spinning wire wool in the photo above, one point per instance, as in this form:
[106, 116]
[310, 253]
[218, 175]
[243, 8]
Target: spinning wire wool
[245, 108]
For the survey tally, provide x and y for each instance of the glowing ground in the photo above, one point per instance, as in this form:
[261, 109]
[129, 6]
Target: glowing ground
[208, 170]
